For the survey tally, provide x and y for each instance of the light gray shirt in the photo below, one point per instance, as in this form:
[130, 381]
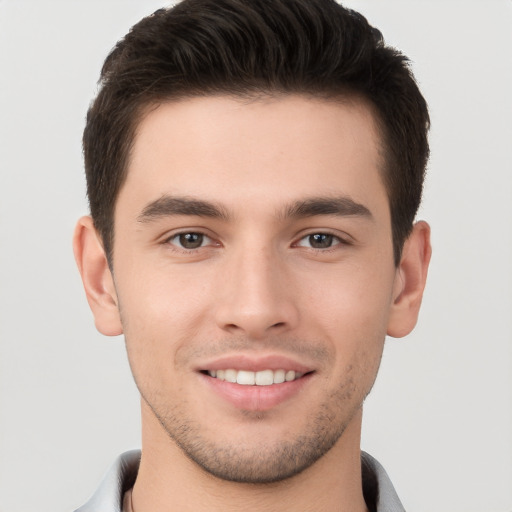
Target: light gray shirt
[378, 490]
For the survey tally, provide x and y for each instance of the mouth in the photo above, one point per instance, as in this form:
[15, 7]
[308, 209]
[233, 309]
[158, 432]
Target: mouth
[255, 378]
[256, 384]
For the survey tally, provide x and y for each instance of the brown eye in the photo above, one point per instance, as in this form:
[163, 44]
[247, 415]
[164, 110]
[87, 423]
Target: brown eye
[320, 241]
[189, 240]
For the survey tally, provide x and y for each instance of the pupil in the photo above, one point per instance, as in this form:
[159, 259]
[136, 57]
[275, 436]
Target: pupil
[320, 240]
[191, 240]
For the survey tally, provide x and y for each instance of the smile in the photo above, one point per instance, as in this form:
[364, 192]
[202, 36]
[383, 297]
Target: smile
[260, 378]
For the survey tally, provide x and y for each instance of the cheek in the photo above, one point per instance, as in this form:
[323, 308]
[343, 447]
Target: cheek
[356, 298]
[351, 313]
[162, 299]
[159, 314]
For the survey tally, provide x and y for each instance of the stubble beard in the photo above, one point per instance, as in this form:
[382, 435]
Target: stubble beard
[273, 460]
[269, 459]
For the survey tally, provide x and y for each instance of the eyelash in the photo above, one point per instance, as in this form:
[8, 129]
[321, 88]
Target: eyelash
[336, 242]
[176, 247]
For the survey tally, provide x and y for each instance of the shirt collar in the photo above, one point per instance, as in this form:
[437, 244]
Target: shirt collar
[378, 490]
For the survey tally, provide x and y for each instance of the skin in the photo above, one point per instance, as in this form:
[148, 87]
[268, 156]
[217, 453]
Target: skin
[256, 286]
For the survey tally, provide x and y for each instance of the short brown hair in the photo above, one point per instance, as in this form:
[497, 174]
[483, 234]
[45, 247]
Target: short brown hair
[252, 47]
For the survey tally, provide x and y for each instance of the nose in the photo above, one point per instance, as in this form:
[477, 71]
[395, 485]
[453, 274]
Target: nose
[257, 297]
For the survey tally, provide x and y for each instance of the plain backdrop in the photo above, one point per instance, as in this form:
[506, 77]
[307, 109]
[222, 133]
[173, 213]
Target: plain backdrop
[440, 415]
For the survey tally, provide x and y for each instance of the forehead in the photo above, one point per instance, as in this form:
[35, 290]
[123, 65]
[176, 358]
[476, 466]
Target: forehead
[255, 151]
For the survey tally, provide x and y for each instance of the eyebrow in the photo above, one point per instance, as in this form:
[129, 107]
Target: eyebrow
[167, 206]
[342, 206]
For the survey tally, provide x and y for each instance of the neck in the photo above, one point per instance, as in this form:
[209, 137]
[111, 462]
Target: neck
[169, 480]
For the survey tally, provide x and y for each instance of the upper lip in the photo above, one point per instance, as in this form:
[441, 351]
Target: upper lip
[255, 363]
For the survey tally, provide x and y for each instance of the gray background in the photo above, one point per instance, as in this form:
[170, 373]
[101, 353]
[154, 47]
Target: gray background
[440, 416]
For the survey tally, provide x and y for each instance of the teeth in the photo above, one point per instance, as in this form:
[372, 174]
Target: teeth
[262, 378]
[290, 375]
[279, 377]
[246, 378]
[230, 375]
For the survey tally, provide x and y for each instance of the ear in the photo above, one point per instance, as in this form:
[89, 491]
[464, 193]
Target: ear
[96, 277]
[410, 279]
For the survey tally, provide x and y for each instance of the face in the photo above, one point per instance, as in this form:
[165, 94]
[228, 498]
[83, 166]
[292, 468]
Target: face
[253, 269]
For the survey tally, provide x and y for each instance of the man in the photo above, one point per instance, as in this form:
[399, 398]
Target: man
[253, 169]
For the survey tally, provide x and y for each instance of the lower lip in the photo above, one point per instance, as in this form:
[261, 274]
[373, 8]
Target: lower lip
[256, 398]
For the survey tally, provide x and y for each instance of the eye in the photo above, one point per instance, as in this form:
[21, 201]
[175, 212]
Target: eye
[190, 240]
[319, 241]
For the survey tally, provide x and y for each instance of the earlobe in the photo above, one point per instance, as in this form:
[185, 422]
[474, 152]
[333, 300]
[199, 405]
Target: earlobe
[410, 281]
[96, 277]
